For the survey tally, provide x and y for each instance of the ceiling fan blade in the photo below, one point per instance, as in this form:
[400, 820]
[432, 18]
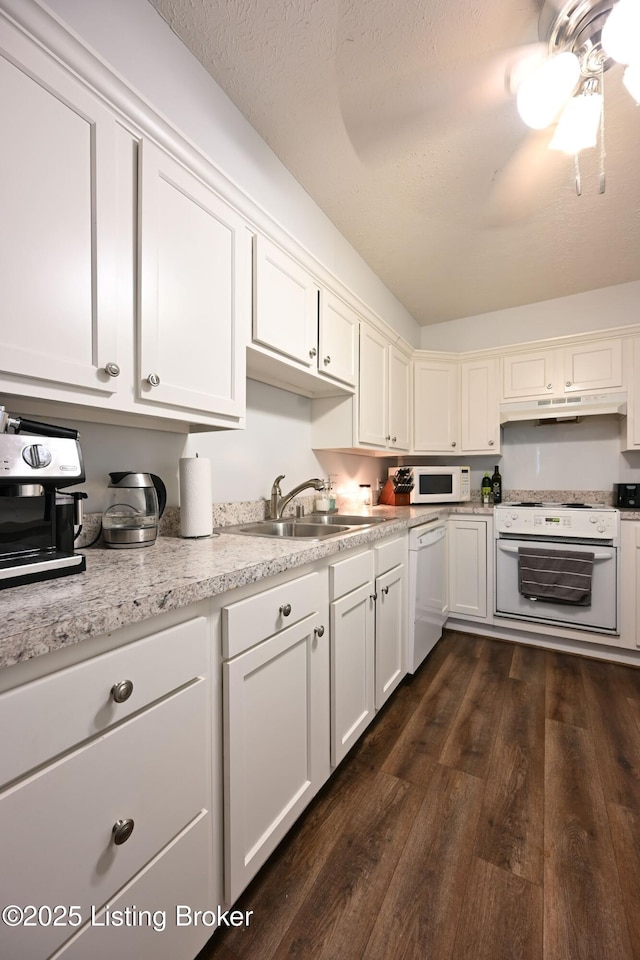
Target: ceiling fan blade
[387, 116]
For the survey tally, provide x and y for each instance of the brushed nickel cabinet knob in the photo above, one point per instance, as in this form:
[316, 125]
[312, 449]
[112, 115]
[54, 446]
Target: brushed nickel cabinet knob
[121, 691]
[122, 830]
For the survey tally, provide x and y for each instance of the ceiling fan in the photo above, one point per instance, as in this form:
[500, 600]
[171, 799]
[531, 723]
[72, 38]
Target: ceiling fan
[584, 39]
[553, 80]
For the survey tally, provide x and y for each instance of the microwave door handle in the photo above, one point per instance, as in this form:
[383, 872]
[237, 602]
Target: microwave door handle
[509, 549]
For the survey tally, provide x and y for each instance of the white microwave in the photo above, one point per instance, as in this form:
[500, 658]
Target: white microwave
[439, 484]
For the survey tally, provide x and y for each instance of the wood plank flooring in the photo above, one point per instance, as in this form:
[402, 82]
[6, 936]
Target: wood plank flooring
[490, 812]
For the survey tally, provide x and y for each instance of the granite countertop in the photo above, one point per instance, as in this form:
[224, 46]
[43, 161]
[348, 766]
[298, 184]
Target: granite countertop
[122, 587]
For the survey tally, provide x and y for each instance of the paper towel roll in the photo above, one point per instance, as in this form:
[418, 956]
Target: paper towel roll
[195, 497]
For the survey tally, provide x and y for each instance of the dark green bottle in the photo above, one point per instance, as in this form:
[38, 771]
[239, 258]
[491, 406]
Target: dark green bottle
[485, 489]
[496, 486]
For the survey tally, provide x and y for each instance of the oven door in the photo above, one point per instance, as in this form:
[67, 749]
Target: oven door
[600, 615]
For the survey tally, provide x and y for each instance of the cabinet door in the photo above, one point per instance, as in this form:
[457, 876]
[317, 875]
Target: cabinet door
[374, 388]
[531, 375]
[285, 304]
[338, 339]
[399, 399]
[274, 700]
[194, 289]
[436, 407]
[352, 668]
[58, 228]
[390, 633]
[480, 414]
[468, 568]
[593, 366]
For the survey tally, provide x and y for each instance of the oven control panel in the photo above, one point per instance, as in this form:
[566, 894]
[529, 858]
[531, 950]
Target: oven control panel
[592, 523]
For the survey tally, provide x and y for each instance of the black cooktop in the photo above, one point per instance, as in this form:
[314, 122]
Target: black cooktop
[572, 506]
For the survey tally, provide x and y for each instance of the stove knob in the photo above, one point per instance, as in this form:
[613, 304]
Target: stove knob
[507, 523]
[601, 528]
[593, 519]
[514, 516]
[36, 455]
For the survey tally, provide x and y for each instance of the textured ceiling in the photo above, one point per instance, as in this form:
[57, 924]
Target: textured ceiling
[395, 117]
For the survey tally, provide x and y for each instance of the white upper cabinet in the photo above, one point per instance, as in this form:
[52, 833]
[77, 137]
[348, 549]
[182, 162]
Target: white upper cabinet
[530, 375]
[374, 388]
[337, 339]
[285, 304]
[593, 366]
[436, 388]
[194, 289]
[479, 407]
[304, 337]
[399, 432]
[57, 234]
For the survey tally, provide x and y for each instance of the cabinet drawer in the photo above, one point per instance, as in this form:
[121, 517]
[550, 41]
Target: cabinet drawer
[55, 713]
[181, 874]
[389, 554]
[347, 575]
[249, 621]
[153, 769]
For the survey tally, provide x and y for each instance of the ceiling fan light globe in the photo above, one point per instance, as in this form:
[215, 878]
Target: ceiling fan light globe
[578, 125]
[544, 92]
[621, 32]
[631, 80]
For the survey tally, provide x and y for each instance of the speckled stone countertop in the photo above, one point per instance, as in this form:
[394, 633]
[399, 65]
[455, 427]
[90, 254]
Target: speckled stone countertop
[122, 587]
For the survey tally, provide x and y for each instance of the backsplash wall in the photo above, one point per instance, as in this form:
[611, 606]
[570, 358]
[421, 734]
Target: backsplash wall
[244, 463]
[563, 456]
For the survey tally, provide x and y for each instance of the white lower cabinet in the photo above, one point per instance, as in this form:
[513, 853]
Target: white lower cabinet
[391, 560]
[368, 638]
[276, 702]
[352, 652]
[109, 805]
[470, 567]
[630, 584]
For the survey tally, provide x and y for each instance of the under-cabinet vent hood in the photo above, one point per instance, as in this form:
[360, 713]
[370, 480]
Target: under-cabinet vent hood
[565, 408]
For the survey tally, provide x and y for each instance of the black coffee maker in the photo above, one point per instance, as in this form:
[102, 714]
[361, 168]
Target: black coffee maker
[37, 520]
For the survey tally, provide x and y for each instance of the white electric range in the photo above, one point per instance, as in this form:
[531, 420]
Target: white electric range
[591, 531]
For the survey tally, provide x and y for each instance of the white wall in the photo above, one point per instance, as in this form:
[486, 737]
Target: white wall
[132, 37]
[599, 309]
[277, 439]
[563, 456]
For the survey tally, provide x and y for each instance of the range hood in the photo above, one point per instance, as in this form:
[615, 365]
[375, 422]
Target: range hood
[565, 409]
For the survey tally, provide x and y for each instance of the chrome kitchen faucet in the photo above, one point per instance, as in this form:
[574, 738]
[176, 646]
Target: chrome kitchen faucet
[279, 501]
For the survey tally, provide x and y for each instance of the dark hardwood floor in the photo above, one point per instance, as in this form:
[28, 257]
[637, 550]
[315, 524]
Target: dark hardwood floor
[490, 812]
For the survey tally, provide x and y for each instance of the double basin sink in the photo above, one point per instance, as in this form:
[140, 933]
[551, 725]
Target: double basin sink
[314, 527]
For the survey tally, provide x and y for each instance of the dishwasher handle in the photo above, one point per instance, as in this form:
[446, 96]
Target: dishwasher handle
[430, 537]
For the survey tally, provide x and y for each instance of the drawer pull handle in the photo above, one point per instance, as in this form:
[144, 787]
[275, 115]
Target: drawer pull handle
[153, 380]
[313, 352]
[112, 369]
[373, 596]
[285, 609]
[122, 830]
[122, 691]
[319, 631]
[327, 361]
[385, 590]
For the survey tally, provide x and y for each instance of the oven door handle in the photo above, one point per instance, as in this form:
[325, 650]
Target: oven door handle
[596, 556]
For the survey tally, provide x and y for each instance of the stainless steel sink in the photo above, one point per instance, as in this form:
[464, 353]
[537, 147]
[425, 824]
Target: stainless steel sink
[343, 518]
[313, 527]
[294, 529]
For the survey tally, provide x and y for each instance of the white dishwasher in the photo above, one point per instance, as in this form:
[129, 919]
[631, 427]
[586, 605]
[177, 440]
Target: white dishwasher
[428, 595]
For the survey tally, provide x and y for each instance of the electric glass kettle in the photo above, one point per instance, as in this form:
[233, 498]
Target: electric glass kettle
[136, 503]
